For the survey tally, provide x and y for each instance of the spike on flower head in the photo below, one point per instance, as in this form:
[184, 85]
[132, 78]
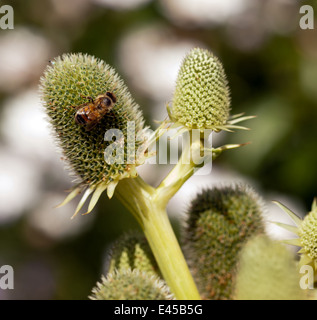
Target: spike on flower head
[306, 230]
[71, 82]
[202, 96]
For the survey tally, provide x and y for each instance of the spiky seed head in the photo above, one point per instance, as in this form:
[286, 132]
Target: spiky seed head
[201, 99]
[131, 251]
[64, 86]
[267, 271]
[131, 285]
[220, 220]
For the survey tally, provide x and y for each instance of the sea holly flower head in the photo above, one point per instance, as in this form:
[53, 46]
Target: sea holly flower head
[80, 83]
[202, 97]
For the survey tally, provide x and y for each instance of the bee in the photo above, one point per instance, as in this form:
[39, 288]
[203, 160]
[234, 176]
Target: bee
[89, 114]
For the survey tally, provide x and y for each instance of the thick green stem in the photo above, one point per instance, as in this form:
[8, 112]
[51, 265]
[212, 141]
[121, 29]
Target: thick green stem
[142, 201]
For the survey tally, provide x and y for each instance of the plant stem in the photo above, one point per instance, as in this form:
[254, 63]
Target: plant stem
[141, 199]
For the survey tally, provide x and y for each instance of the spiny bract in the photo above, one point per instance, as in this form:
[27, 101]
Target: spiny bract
[220, 220]
[66, 83]
[306, 230]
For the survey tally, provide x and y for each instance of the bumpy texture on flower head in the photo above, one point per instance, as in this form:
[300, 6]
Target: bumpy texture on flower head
[202, 98]
[308, 234]
[219, 223]
[267, 271]
[131, 285]
[66, 83]
[131, 251]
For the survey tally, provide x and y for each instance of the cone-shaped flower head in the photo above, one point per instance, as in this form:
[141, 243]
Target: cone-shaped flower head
[131, 251]
[219, 223]
[72, 88]
[267, 271]
[202, 98]
[306, 229]
[131, 285]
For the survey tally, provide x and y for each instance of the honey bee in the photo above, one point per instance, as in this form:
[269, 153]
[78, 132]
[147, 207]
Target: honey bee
[89, 114]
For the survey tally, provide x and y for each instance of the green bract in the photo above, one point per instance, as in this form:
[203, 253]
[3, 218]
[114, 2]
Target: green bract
[219, 223]
[131, 285]
[306, 230]
[65, 85]
[202, 97]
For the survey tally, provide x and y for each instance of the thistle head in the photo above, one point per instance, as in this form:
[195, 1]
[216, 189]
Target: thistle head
[220, 221]
[131, 285]
[75, 81]
[202, 97]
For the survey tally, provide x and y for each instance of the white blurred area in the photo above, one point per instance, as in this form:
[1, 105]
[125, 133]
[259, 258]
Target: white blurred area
[150, 58]
[121, 4]
[28, 155]
[247, 24]
[23, 55]
[190, 13]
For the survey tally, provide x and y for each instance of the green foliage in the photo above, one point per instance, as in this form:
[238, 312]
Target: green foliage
[131, 251]
[220, 221]
[130, 285]
[267, 271]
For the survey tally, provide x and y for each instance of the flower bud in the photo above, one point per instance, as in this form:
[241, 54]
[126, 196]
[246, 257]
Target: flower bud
[220, 221]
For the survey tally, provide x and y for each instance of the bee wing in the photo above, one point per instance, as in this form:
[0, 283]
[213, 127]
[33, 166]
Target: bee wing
[90, 126]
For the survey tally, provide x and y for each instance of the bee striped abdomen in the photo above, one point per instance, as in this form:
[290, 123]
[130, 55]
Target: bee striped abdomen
[80, 119]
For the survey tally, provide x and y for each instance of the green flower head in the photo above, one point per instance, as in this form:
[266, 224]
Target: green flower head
[202, 97]
[74, 83]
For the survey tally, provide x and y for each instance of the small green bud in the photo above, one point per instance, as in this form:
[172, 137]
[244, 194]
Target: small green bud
[202, 97]
[131, 251]
[130, 285]
[70, 82]
[267, 271]
[219, 223]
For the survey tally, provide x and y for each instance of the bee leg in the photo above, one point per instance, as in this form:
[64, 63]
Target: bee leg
[89, 98]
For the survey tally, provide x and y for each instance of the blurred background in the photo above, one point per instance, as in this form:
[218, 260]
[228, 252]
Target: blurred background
[271, 64]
